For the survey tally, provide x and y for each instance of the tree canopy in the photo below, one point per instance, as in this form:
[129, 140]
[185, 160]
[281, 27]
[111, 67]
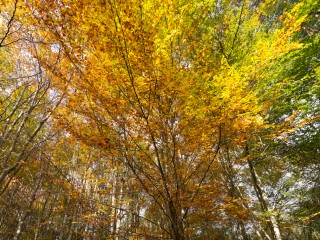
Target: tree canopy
[180, 119]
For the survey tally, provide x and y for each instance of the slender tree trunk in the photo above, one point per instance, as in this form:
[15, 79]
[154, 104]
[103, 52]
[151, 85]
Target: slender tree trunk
[176, 223]
[243, 231]
[63, 224]
[262, 197]
[235, 192]
[41, 218]
[24, 216]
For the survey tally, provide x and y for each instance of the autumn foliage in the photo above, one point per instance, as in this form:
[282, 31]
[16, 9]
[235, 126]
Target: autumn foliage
[156, 119]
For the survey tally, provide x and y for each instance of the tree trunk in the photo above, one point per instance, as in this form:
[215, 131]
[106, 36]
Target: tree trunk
[24, 216]
[262, 198]
[177, 230]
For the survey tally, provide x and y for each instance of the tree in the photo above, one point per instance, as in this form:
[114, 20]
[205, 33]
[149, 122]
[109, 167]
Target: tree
[25, 104]
[158, 119]
[151, 90]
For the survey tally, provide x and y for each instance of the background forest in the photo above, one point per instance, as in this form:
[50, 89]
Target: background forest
[159, 119]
